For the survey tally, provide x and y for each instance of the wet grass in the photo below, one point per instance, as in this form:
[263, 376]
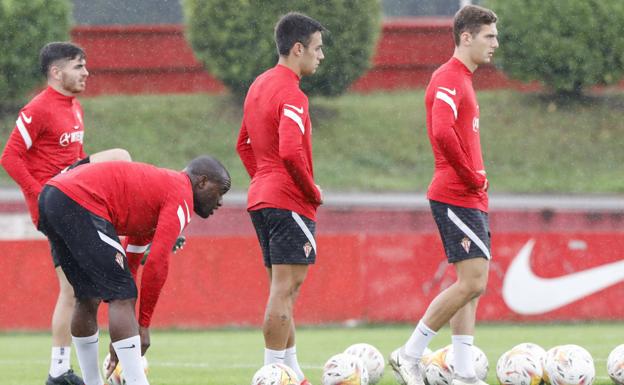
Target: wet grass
[378, 141]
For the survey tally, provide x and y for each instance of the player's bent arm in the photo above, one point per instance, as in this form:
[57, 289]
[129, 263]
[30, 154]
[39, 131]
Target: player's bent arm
[157, 265]
[245, 152]
[13, 162]
[448, 142]
[292, 155]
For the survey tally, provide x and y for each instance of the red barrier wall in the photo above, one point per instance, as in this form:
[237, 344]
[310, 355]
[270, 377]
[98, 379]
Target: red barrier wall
[376, 265]
[158, 59]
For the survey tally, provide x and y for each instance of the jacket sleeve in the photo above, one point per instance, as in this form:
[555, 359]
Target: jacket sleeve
[292, 128]
[157, 266]
[23, 137]
[444, 116]
[245, 151]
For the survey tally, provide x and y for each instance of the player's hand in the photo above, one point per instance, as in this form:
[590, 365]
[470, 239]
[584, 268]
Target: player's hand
[112, 363]
[486, 183]
[178, 245]
[144, 333]
[320, 193]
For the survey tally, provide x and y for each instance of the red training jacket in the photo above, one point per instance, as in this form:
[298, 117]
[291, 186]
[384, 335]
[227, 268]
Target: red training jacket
[47, 137]
[275, 144]
[453, 128]
[141, 201]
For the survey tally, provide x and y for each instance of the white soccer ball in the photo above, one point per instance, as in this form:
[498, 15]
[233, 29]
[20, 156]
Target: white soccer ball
[615, 365]
[519, 367]
[117, 378]
[569, 365]
[436, 370]
[534, 350]
[372, 358]
[275, 374]
[345, 369]
[481, 363]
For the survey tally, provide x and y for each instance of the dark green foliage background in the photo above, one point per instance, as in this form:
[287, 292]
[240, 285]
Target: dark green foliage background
[26, 26]
[567, 45]
[234, 39]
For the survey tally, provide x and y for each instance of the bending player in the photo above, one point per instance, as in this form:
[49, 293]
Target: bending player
[458, 197]
[84, 212]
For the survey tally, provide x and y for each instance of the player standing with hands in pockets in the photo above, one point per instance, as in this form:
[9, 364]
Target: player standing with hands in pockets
[458, 197]
[275, 145]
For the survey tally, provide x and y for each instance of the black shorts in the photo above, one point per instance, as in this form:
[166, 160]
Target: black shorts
[86, 247]
[286, 238]
[465, 231]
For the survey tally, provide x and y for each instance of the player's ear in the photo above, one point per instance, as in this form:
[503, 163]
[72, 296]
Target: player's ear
[465, 38]
[202, 182]
[297, 49]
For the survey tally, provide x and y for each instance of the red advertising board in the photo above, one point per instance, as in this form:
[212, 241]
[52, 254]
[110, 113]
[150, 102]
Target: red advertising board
[368, 276]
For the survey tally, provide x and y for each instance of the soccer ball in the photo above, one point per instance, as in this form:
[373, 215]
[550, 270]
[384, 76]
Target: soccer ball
[436, 369]
[534, 350]
[117, 378]
[345, 369]
[481, 363]
[615, 365]
[373, 360]
[519, 367]
[569, 365]
[275, 374]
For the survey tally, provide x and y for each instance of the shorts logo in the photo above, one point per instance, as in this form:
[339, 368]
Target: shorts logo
[466, 244]
[120, 260]
[307, 249]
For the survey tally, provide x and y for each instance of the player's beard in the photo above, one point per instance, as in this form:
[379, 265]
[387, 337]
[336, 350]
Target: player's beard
[73, 85]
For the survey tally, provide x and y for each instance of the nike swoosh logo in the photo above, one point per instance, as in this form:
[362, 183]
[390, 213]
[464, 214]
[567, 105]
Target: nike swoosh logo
[450, 91]
[127, 347]
[526, 293]
[96, 340]
[297, 109]
[27, 119]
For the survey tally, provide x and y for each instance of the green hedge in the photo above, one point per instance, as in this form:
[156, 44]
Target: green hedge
[234, 39]
[26, 26]
[567, 45]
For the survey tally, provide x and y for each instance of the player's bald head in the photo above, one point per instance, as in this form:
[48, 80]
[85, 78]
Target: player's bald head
[210, 167]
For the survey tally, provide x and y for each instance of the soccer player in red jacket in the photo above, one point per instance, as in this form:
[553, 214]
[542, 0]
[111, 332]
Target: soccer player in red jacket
[458, 197]
[275, 145]
[48, 139]
[84, 212]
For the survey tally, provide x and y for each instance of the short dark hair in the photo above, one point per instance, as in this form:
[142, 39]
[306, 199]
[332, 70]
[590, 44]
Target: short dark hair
[292, 28]
[55, 51]
[470, 19]
[212, 168]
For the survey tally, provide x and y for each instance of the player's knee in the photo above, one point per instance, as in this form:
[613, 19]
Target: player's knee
[473, 287]
[89, 305]
[121, 155]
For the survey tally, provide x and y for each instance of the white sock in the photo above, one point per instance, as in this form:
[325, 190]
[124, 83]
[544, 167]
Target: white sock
[88, 358]
[419, 340]
[274, 356]
[129, 354]
[291, 360]
[463, 355]
[59, 362]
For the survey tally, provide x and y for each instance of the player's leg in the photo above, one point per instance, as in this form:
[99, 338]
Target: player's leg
[61, 322]
[278, 327]
[465, 235]
[60, 372]
[462, 328]
[118, 154]
[85, 335]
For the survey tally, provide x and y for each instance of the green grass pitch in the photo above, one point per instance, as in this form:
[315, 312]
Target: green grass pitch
[231, 356]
